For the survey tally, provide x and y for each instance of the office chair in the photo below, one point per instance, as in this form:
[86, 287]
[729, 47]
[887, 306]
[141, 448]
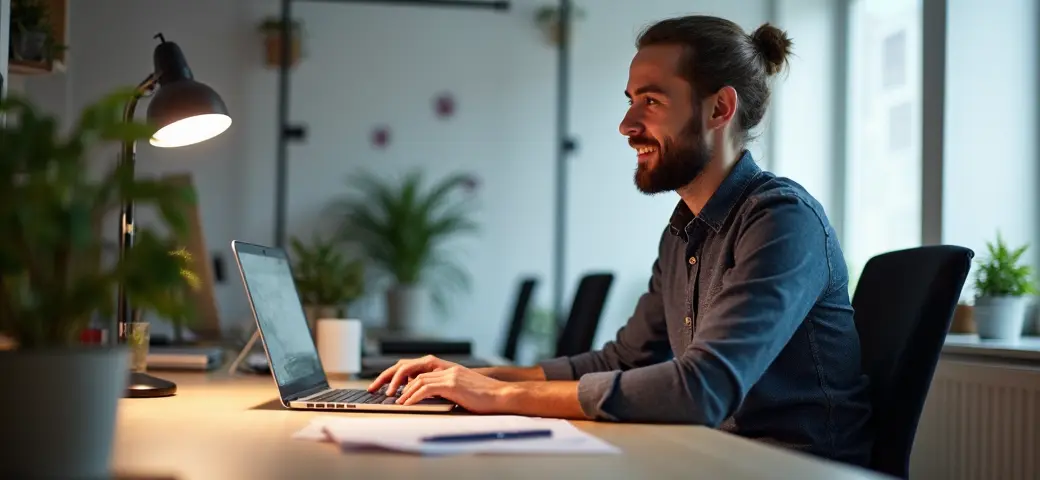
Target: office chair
[583, 320]
[516, 326]
[904, 304]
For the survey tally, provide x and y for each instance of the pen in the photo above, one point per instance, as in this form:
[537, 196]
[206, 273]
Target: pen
[478, 437]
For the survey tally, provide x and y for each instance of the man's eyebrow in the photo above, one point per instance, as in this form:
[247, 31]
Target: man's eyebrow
[646, 89]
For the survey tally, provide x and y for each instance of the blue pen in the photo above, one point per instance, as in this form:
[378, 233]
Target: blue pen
[479, 437]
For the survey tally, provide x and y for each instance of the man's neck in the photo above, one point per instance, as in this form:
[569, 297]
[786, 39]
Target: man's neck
[696, 193]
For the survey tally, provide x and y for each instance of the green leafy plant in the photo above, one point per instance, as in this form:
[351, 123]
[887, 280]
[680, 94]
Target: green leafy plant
[403, 228]
[324, 275]
[1001, 274]
[273, 25]
[52, 278]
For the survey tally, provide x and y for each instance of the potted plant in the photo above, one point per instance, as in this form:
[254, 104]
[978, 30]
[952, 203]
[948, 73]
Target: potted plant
[32, 37]
[271, 29]
[328, 281]
[403, 229]
[1002, 289]
[53, 282]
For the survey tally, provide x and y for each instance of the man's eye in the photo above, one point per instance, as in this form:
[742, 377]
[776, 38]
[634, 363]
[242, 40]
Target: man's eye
[651, 101]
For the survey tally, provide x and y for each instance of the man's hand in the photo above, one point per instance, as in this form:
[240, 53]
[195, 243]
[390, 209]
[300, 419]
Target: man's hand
[404, 370]
[471, 390]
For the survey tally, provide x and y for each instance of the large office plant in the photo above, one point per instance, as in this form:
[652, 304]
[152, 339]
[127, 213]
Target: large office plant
[404, 229]
[54, 281]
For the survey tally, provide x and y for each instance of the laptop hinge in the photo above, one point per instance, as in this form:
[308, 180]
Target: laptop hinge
[308, 392]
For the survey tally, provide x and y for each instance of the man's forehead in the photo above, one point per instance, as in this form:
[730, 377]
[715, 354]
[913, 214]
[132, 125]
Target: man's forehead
[655, 64]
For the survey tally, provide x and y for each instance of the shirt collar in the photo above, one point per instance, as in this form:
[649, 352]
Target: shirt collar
[721, 203]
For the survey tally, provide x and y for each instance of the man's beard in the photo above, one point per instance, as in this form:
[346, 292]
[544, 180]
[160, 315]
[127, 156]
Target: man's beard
[678, 162]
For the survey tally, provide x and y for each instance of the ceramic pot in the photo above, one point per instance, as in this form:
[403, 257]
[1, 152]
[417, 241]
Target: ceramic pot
[318, 312]
[58, 409]
[273, 49]
[1000, 318]
[30, 46]
[404, 307]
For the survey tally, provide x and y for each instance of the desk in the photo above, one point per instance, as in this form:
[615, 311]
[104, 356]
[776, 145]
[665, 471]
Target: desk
[229, 428]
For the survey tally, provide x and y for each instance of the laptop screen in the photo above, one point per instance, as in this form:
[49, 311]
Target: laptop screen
[279, 314]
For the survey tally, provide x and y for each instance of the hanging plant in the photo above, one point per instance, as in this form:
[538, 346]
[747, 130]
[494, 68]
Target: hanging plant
[548, 20]
[271, 29]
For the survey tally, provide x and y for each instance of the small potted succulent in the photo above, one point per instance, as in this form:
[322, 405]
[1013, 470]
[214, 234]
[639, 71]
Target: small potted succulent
[327, 279]
[271, 29]
[54, 281]
[1003, 286]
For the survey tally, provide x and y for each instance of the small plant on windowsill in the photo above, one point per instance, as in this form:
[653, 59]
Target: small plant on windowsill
[1003, 285]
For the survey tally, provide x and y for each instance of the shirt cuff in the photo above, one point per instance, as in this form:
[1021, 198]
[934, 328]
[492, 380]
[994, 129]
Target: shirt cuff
[593, 391]
[558, 369]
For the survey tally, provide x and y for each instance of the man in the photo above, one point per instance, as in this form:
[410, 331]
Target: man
[746, 325]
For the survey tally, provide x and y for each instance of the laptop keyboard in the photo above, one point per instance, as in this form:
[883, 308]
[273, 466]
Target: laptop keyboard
[357, 396]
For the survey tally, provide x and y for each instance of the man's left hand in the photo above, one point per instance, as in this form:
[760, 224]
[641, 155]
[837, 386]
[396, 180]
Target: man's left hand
[471, 390]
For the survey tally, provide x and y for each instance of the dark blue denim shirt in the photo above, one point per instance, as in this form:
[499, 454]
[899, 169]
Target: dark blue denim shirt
[746, 326]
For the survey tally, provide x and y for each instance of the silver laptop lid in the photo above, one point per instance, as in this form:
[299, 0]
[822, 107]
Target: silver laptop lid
[268, 280]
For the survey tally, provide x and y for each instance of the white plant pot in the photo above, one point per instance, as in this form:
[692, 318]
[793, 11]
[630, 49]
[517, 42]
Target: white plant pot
[405, 307]
[1000, 318]
[58, 411]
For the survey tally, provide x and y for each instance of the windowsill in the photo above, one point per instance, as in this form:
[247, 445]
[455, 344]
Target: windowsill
[1026, 348]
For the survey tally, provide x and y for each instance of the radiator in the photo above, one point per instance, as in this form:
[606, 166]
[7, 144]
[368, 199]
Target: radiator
[980, 421]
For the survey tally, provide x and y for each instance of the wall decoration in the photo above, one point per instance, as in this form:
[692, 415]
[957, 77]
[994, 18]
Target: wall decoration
[271, 29]
[381, 136]
[444, 105]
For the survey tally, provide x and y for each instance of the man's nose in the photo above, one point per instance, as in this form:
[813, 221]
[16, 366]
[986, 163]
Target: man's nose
[630, 126]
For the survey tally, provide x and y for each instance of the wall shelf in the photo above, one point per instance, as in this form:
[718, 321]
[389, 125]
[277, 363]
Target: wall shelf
[58, 14]
[20, 67]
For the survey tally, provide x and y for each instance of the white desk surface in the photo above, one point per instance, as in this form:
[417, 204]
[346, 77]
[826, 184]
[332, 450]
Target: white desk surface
[218, 427]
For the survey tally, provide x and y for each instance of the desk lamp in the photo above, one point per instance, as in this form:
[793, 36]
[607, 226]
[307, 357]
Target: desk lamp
[184, 112]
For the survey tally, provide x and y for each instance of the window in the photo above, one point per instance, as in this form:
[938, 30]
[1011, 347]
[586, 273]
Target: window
[883, 169]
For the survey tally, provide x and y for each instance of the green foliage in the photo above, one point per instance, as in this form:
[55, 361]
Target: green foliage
[403, 228]
[52, 280]
[1001, 274]
[324, 275]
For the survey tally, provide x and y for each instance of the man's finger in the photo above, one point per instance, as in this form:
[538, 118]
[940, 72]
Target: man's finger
[384, 376]
[419, 381]
[410, 368]
[421, 393]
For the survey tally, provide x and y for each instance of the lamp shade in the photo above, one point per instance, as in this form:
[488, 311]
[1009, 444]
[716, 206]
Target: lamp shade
[184, 110]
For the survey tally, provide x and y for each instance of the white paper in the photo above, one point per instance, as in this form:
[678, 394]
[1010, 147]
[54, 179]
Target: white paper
[404, 434]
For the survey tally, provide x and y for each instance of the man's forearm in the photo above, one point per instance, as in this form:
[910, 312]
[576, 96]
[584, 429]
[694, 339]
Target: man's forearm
[513, 374]
[543, 399]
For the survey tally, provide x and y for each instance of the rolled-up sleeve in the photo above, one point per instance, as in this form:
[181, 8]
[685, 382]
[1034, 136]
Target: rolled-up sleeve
[780, 268]
[643, 340]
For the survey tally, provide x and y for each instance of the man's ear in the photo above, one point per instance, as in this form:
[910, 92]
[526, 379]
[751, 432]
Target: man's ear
[723, 106]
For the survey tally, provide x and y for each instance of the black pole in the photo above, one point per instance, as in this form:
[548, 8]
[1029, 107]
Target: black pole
[281, 166]
[125, 312]
[563, 147]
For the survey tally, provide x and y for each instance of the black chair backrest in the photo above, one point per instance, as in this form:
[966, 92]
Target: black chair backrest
[516, 326]
[583, 320]
[904, 303]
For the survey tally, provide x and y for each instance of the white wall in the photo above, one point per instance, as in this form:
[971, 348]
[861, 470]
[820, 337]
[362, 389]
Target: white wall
[5, 38]
[804, 102]
[991, 130]
[369, 65]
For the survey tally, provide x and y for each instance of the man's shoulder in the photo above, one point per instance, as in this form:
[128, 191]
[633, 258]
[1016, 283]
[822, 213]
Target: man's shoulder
[770, 192]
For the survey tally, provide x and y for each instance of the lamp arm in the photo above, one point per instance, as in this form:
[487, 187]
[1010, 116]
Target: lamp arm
[125, 313]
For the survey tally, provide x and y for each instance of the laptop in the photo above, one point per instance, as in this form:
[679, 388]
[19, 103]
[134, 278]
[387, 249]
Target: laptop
[290, 350]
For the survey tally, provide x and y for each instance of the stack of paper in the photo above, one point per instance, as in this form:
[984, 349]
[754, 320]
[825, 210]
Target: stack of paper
[406, 434]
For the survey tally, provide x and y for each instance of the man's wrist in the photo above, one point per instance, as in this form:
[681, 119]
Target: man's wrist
[513, 374]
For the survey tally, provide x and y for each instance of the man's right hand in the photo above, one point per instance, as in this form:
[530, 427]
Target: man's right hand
[403, 370]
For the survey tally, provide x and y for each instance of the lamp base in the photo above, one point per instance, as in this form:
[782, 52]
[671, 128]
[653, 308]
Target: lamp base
[143, 385]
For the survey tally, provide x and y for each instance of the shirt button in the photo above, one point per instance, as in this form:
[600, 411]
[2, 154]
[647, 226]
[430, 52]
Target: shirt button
[688, 321]
[693, 260]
